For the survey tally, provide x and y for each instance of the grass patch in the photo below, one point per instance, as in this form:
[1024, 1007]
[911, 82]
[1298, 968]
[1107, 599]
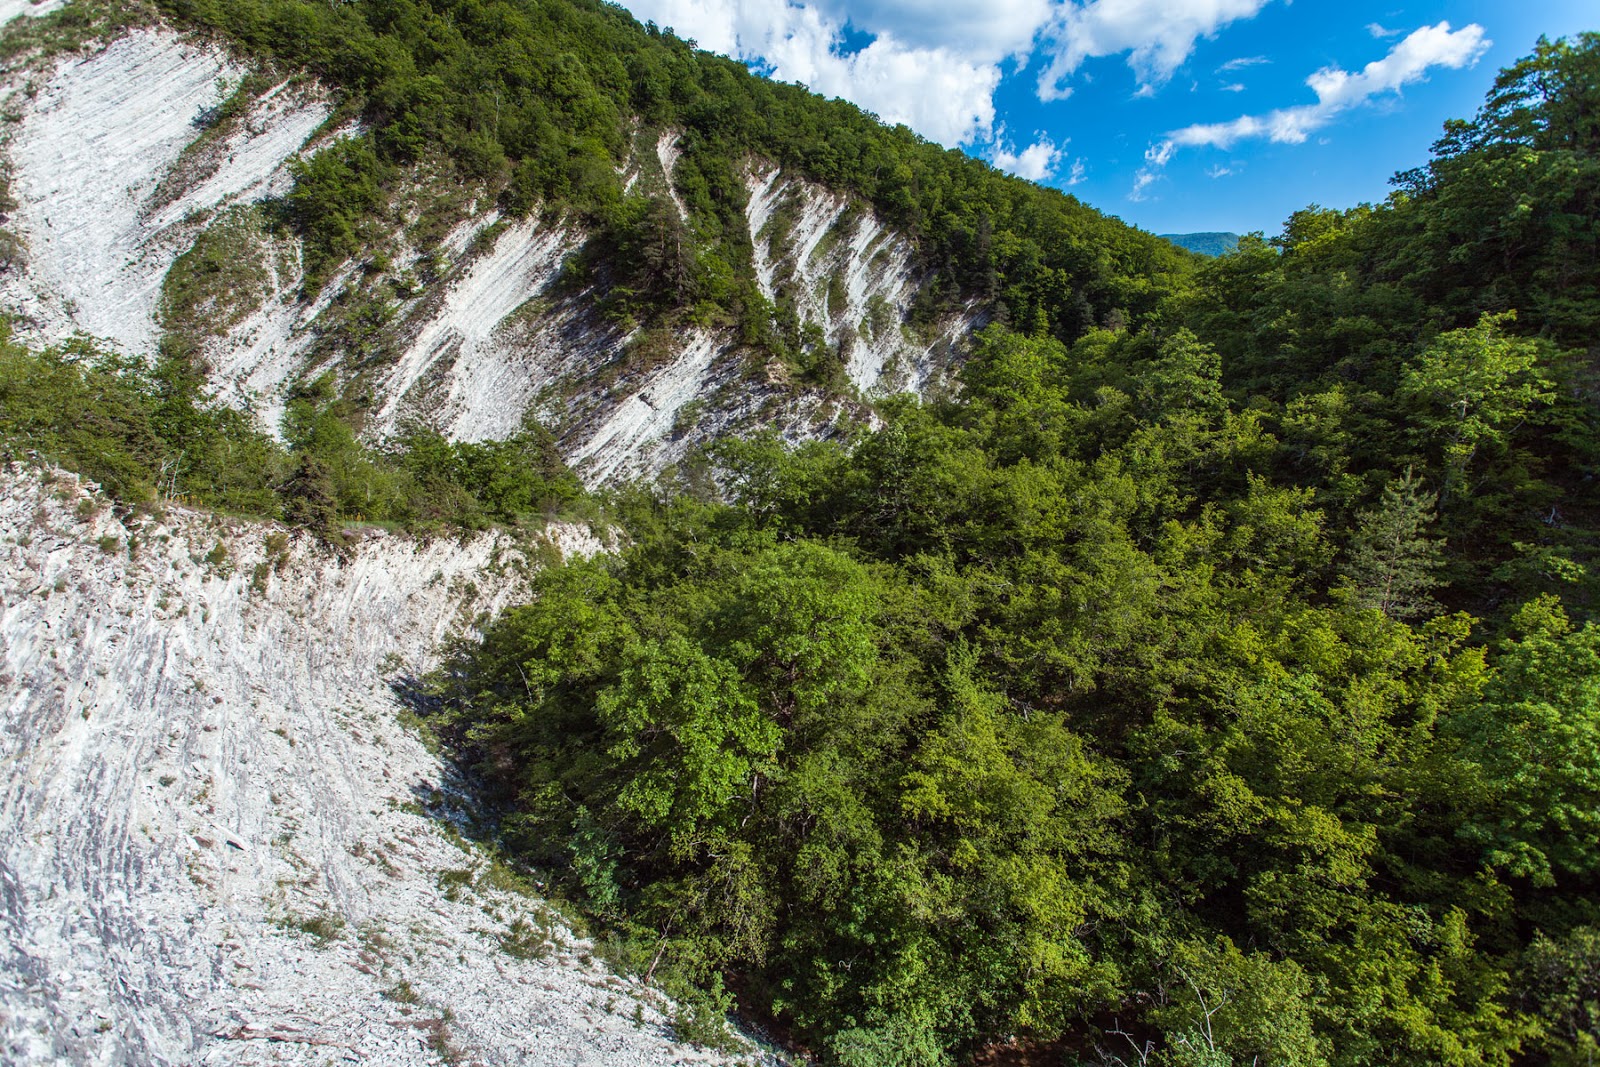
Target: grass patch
[452, 882]
[36, 41]
[402, 992]
[324, 927]
[530, 939]
[224, 277]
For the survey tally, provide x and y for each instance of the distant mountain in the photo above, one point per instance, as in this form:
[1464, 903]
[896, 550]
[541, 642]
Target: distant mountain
[1206, 244]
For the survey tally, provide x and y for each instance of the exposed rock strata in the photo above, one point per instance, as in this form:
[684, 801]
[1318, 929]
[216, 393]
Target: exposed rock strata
[118, 167]
[114, 178]
[217, 844]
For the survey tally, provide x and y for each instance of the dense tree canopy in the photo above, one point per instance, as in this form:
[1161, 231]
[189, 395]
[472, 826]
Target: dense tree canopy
[1214, 680]
[1219, 688]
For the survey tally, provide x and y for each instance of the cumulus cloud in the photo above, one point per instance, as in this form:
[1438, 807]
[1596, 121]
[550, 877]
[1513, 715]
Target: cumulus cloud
[1337, 90]
[935, 64]
[1157, 35]
[941, 92]
[983, 31]
[1036, 162]
[935, 92]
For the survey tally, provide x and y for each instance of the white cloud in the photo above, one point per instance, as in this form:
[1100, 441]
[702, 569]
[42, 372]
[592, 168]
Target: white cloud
[988, 31]
[1337, 91]
[1157, 35]
[1219, 171]
[1242, 62]
[1036, 162]
[945, 93]
[1141, 182]
[1378, 31]
[1078, 173]
[1236, 87]
[936, 93]
[1408, 61]
[935, 64]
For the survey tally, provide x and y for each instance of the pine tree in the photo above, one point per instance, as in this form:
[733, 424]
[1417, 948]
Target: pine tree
[309, 500]
[1392, 561]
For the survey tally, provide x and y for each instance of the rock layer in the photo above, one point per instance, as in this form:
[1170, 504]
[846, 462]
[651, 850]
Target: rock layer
[119, 166]
[217, 843]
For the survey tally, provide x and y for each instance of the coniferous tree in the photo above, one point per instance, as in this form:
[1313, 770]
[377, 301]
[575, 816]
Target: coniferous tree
[308, 497]
[1393, 563]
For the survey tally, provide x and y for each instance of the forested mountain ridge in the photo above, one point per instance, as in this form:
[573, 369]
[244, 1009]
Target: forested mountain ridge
[1220, 690]
[1208, 676]
[1210, 243]
[473, 218]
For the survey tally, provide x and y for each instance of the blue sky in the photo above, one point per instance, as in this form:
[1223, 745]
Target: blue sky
[1176, 115]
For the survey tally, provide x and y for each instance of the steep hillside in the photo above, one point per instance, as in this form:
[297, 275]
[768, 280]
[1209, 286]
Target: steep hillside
[217, 845]
[1205, 670]
[543, 211]
[144, 171]
[121, 158]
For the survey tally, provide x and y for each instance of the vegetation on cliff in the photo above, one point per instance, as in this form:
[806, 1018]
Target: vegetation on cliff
[541, 102]
[1215, 680]
[1221, 690]
[147, 433]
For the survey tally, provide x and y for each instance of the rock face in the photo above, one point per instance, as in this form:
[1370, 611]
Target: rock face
[133, 153]
[114, 176]
[849, 274]
[218, 845]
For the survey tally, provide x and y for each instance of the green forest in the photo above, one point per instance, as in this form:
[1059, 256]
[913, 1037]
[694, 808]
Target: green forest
[1213, 680]
[1218, 688]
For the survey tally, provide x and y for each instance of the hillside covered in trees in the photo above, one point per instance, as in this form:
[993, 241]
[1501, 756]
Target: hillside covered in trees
[1211, 243]
[1219, 689]
[1213, 679]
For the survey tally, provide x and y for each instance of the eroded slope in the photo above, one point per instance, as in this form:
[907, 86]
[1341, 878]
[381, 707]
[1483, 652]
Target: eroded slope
[141, 169]
[217, 845]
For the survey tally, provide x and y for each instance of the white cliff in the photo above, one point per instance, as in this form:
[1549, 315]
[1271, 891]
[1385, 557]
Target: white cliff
[487, 382]
[99, 144]
[119, 168]
[846, 272]
[217, 843]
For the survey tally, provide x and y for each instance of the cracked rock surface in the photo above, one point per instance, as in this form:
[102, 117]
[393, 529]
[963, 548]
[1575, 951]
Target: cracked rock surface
[219, 845]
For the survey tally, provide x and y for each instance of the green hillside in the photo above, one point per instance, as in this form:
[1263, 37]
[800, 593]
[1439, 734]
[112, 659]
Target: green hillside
[1221, 689]
[1211, 243]
[1214, 680]
[539, 102]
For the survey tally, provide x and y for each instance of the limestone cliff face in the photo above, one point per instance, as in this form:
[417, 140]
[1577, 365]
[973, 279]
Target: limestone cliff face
[124, 170]
[114, 179]
[217, 842]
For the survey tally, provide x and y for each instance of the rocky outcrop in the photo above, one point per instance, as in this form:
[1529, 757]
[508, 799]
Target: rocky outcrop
[485, 372]
[218, 844]
[116, 169]
[846, 272]
[125, 158]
